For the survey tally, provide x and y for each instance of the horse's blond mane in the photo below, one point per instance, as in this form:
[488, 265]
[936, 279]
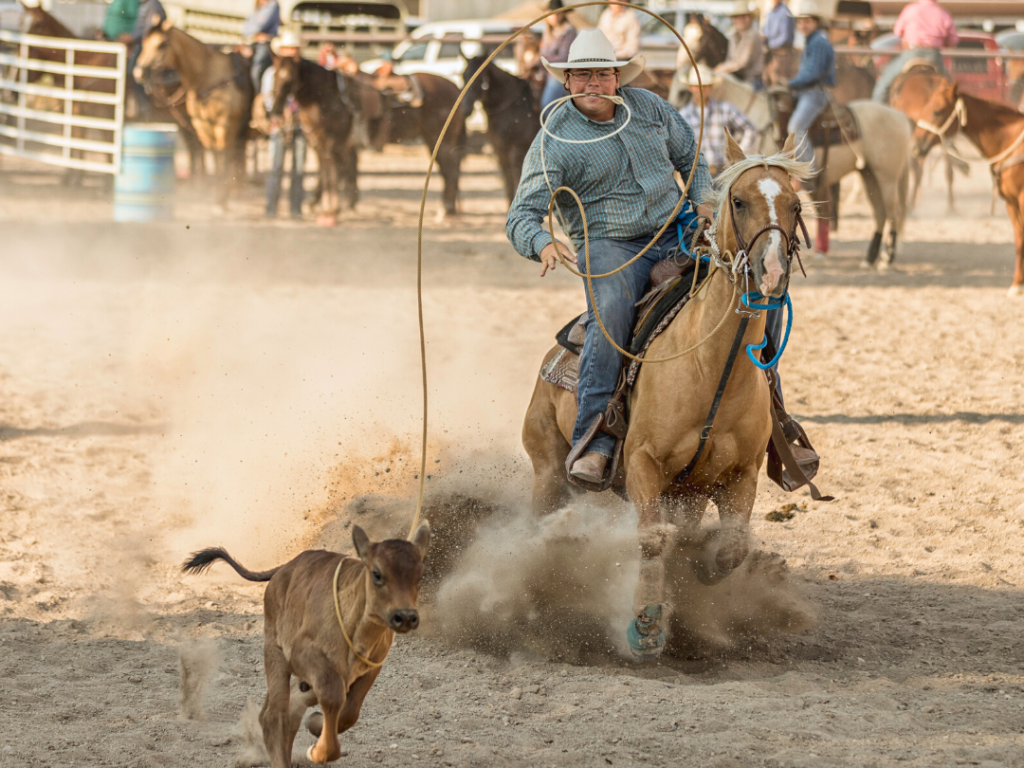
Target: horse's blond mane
[784, 160]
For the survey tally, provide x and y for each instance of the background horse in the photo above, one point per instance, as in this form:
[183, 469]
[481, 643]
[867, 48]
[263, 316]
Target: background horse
[405, 123]
[997, 131]
[327, 123]
[218, 101]
[884, 145]
[708, 45]
[512, 119]
[910, 94]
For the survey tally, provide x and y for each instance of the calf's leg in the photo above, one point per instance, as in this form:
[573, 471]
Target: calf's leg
[314, 667]
[274, 717]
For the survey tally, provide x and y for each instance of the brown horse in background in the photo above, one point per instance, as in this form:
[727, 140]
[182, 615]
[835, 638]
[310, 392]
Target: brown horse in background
[910, 94]
[218, 103]
[997, 131]
[327, 123]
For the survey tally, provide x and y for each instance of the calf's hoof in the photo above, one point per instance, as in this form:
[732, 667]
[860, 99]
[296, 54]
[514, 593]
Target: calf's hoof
[1015, 291]
[645, 636]
[313, 757]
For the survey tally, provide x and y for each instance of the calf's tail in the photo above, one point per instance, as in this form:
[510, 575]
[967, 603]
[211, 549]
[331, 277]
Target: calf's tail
[203, 559]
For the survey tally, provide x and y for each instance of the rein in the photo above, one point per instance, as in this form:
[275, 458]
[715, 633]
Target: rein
[341, 623]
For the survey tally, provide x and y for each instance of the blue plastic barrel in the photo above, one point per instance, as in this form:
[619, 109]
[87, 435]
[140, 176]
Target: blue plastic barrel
[144, 190]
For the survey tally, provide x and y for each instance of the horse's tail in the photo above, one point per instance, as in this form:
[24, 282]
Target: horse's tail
[203, 559]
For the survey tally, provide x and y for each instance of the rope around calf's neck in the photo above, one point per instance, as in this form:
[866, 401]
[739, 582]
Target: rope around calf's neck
[341, 623]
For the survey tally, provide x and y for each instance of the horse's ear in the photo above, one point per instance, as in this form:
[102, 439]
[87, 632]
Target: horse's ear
[790, 146]
[733, 153]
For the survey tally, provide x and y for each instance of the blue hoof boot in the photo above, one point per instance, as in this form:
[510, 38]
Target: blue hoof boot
[645, 636]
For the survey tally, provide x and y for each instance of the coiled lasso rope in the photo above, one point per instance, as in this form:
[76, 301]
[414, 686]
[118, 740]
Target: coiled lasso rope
[589, 277]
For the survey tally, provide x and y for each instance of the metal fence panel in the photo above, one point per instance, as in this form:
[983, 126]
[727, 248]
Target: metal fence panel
[62, 100]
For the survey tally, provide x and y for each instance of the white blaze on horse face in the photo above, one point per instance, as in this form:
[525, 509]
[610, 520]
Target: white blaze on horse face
[773, 269]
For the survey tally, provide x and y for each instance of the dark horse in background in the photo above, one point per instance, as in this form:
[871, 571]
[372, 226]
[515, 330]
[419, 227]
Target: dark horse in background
[42, 23]
[512, 117]
[327, 123]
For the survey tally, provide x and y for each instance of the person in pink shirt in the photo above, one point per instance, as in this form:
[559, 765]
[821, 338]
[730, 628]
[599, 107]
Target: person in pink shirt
[923, 28]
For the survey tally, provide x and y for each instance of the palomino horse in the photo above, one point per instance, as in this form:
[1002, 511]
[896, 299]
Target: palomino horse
[218, 104]
[758, 212]
[327, 123]
[42, 23]
[998, 133]
[910, 94]
[512, 118]
[884, 147]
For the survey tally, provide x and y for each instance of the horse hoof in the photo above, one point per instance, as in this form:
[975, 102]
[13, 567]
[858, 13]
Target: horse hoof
[326, 220]
[706, 569]
[866, 264]
[883, 266]
[645, 636]
[1015, 291]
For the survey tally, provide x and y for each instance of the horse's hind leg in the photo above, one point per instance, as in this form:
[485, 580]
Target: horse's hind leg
[875, 197]
[449, 161]
[735, 501]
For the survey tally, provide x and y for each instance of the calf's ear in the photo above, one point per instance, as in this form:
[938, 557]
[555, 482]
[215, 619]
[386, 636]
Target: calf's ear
[421, 539]
[361, 542]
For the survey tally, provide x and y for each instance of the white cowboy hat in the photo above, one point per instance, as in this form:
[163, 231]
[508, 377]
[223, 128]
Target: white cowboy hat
[816, 8]
[592, 50]
[286, 39]
[707, 77]
[741, 8]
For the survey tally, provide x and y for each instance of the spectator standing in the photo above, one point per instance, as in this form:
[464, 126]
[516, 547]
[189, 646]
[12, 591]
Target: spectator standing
[745, 59]
[923, 28]
[817, 72]
[259, 29]
[719, 115]
[622, 27]
[778, 31]
[119, 21]
[285, 133]
[558, 36]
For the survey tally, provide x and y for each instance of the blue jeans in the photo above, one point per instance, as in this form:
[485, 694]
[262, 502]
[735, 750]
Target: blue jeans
[261, 61]
[810, 103]
[616, 299]
[895, 67]
[278, 146]
[553, 89]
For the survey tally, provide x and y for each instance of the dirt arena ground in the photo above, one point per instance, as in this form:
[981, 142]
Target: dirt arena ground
[231, 381]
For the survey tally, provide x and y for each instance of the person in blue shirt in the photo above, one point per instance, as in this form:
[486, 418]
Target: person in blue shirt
[259, 29]
[627, 189]
[817, 72]
[778, 31]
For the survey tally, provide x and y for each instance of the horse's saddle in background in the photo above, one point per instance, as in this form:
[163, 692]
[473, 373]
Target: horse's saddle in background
[835, 125]
[404, 90]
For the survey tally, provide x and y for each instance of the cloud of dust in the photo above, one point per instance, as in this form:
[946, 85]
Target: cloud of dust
[563, 587]
[197, 663]
[254, 750]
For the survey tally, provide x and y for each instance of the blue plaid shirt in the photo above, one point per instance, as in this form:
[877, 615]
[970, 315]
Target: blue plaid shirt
[625, 183]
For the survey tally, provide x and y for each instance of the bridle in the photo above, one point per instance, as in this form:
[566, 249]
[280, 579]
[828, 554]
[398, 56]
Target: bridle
[959, 111]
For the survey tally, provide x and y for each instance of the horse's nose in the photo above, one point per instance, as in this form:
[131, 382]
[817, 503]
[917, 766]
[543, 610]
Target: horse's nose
[404, 620]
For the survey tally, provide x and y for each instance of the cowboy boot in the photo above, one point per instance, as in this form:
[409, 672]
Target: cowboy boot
[590, 467]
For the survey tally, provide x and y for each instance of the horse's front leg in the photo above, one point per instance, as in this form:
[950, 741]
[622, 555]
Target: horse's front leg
[645, 482]
[734, 497]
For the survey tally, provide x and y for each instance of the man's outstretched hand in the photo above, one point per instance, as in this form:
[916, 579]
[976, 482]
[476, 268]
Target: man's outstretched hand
[549, 256]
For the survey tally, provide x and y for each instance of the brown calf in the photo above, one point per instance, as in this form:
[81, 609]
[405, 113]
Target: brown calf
[305, 638]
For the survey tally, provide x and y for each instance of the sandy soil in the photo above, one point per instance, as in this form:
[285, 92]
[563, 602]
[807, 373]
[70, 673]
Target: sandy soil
[230, 381]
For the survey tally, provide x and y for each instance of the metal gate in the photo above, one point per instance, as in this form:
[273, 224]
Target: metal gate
[62, 100]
